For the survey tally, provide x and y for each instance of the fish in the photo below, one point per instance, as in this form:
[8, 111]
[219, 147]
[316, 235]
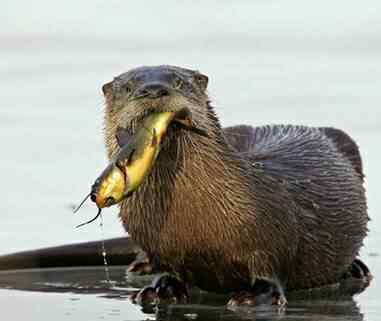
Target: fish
[135, 159]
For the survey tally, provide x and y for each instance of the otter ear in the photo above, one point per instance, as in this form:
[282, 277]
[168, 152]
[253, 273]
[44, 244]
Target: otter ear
[202, 80]
[107, 88]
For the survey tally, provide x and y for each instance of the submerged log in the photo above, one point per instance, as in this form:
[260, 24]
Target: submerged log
[120, 251]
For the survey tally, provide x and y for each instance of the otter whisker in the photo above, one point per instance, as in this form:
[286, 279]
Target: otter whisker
[80, 205]
[92, 220]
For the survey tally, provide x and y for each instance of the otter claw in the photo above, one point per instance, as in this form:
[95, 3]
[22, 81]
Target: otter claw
[164, 288]
[264, 292]
[141, 265]
[140, 268]
[146, 295]
[279, 300]
[243, 298]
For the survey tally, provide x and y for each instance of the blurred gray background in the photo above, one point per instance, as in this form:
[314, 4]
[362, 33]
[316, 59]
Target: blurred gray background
[269, 61]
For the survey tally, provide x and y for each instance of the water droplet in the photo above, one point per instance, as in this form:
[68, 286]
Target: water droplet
[104, 253]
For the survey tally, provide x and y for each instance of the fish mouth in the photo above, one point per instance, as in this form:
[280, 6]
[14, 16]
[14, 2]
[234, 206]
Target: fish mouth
[109, 187]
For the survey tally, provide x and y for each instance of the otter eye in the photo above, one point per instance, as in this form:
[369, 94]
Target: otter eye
[127, 89]
[177, 83]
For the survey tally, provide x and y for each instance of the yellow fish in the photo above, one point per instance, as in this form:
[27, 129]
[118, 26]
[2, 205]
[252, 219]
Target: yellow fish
[135, 160]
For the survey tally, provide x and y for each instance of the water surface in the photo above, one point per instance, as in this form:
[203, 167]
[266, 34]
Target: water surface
[66, 293]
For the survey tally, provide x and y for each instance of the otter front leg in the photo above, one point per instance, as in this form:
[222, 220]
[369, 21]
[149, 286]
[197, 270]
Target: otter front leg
[165, 288]
[263, 292]
[141, 265]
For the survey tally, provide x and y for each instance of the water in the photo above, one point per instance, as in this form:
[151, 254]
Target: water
[315, 63]
[65, 295]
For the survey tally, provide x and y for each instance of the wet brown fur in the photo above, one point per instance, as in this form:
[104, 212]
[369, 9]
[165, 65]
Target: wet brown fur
[284, 203]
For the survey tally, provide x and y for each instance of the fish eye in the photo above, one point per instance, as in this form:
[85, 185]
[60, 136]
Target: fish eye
[93, 196]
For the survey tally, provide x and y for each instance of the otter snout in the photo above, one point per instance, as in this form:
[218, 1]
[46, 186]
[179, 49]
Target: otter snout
[152, 90]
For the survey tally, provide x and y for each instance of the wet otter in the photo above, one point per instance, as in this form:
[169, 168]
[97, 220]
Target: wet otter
[241, 209]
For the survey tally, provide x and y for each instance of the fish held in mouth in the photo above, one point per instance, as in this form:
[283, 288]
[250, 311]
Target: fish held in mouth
[135, 159]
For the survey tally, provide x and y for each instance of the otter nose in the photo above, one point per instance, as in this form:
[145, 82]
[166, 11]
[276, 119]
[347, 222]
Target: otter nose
[152, 90]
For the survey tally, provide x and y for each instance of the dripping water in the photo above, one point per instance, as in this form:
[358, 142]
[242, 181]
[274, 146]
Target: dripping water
[104, 253]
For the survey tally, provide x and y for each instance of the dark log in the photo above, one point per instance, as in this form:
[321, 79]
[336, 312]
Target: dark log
[120, 251]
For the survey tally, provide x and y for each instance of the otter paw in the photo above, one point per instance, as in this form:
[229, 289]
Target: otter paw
[140, 268]
[251, 299]
[146, 295]
[278, 299]
[164, 288]
[242, 298]
[141, 265]
[267, 292]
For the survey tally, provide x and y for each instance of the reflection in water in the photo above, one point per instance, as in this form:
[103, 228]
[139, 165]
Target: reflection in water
[203, 306]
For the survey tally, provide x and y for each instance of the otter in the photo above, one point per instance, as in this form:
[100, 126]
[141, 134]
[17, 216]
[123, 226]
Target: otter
[251, 211]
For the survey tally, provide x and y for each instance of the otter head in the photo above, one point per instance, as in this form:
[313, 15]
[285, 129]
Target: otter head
[133, 95]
